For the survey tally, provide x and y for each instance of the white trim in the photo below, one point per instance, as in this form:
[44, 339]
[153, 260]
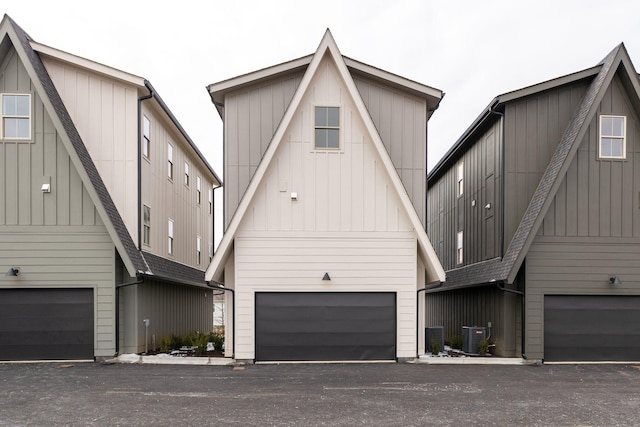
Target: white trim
[615, 137]
[3, 116]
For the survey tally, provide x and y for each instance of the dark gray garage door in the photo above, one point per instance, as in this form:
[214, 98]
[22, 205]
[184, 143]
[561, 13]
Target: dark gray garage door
[591, 328]
[39, 324]
[325, 326]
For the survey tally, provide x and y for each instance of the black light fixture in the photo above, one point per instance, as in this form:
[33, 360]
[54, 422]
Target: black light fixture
[615, 280]
[13, 272]
[326, 276]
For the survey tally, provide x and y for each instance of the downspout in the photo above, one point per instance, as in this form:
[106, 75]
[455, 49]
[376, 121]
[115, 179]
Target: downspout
[426, 288]
[220, 286]
[139, 280]
[502, 176]
[522, 328]
[142, 98]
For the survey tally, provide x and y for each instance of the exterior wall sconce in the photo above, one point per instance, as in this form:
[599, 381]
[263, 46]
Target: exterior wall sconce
[13, 272]
[615, 280]
[326, 276]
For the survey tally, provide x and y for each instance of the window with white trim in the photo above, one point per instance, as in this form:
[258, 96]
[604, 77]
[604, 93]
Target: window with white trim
[210, 251]
[16, 116]
[198, 190]
[170, 161]
[198, 250]
[210, 201]
[146, 227]
[327, 127]
[612, 137]
[170, 237]
[146, 136]
[186, 174]
[459, 241]
[460, 185]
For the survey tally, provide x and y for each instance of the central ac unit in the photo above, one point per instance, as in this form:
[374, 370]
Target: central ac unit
[433, 333]
[471, 337]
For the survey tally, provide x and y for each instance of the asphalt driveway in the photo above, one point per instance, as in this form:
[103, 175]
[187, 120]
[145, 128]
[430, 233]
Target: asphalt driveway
[94, 394]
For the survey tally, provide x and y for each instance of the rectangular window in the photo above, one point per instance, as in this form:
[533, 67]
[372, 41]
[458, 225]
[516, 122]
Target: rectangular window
[460, 178]
[170, 240]
[198, 190]
[170, 161]
[327, 127]
[198, 252]
[459, 241]
[210, 252]
[613, 137]
[146, 136]
[16, 116]
[210, 201]
[146, 219]
[186, 174]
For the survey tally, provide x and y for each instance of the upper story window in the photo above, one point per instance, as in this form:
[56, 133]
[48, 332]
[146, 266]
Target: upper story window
[186, 174]
[612, 137]
[170, 237]
[210, 201]
[327, 127]
[198, 250]
[146, 136]
[198, 190]
[459, 254]
[460, 185]
[210, 251]
[16, 116]
[146, 220]
[170, 161]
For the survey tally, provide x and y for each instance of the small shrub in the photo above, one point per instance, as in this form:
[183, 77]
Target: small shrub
[483, 347]
[456, 342]
[435, 347]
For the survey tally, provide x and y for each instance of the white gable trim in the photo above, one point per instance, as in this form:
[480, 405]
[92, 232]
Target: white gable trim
[435, 272]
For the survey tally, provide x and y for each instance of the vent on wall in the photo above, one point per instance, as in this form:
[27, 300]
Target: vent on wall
[471, 337]
[433, 333]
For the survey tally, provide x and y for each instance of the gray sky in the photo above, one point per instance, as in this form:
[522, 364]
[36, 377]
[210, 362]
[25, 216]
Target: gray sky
[472, 50]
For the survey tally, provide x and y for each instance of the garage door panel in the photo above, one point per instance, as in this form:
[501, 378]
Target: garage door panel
[592, 328]
[46, 324]
[325, 326]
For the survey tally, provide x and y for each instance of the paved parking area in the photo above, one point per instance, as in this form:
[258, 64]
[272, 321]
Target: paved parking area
[94, 394]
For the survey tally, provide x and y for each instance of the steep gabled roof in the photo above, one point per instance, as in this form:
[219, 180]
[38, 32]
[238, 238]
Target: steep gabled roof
[327, 47]
[506, 269]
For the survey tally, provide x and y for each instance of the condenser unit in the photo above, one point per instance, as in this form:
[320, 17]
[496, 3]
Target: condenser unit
[471, 337]
[433, 333]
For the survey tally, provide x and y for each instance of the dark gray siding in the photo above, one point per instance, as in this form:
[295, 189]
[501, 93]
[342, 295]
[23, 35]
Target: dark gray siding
[251, 118]
[478, 307]
[533, 128]
[401, 121]
[477, 213]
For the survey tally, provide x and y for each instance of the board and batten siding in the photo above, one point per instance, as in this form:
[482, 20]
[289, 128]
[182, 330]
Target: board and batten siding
[273, 262]
[401, 121]
[251, 117]
[477, 211]
[591, 231]
[104, 111]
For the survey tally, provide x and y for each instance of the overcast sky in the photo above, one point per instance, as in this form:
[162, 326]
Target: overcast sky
[471, 50]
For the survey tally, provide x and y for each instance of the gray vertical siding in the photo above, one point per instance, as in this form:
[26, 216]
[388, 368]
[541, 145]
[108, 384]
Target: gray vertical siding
[449, 213]
[251, 118]
[401, 121]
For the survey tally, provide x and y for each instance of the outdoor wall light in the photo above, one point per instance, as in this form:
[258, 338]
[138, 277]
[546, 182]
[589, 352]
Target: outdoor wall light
[46, 188]
[326, 276]
[13, 272]
[615, 280]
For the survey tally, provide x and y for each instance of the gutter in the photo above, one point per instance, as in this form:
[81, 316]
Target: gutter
[220, 286]
[426, 288]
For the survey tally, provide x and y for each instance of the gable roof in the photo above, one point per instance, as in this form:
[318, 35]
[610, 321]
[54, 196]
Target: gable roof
[506, 269]
[327, 47]
[133, 259]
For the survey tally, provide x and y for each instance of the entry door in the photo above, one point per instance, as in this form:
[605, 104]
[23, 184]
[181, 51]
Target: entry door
[46, 324]
[325, 326]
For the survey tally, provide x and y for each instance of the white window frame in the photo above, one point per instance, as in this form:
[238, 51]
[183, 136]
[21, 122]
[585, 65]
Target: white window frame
[170, 167]
[146, 225]
[15, 116]
[198, 190]
[612, 137]
[186, 174]
[170, 242]
[459, 248]
[210, 251]
[146, 136]
[210, 201]
[460, 181]
[198, 250]
[327, 127]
